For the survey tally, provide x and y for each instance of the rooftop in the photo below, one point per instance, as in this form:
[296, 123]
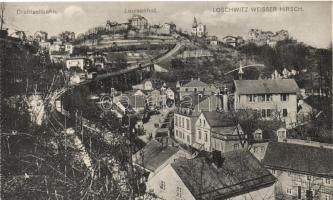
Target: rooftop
[218, 119]
[240, 173]
[154, 155]
[299, 158]
[195, 83]
[266, 86]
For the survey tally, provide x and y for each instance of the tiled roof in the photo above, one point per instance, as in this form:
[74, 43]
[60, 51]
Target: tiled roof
[195, 83]
[300, 158]
[240, 173]
[154, 155]
[218, 119]
[266, 86]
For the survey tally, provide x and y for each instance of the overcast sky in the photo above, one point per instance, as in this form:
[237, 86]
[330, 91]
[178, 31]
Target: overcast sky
[312, 25]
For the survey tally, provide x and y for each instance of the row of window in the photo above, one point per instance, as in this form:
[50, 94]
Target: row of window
[200, 135]
[265, 97]
[269, 112]
[326, 181]
[180, 121]
[181, 135]
[179, 192]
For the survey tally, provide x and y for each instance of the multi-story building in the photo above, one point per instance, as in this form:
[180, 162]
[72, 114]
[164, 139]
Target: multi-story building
[40, 36]
[138, 22]
[188, 112]
[235, 175]
[217, 131]
[198, 29]
[303, 172]
[273, 99]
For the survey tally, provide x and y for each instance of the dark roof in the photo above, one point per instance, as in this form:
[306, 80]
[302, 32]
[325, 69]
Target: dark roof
[299, 158]
[154, 155]
[218, 119]
[266, 86]
[240, 173]
[195, 83]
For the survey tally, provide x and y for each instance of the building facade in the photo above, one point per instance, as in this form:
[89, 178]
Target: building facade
[273, 99]
[303, 172]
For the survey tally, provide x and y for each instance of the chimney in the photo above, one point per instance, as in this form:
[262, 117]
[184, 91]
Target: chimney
[217, 159]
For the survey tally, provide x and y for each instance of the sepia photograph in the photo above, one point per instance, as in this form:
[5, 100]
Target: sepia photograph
[158, 100]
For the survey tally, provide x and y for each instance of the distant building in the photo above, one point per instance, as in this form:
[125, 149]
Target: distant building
[267, 37]
[196, 86]
[40, 36]
[217, 131]
[116, 28]
[166, 29]
[138, 22]
[80, 62]
[233, 175]
[20, 35]
[232, 41]
[273, 99]
[198, 29]
[303, 172]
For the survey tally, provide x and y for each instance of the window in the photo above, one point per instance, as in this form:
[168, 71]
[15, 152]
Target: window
[327, 181]
[284, 97]
[188, 138]
[176, 121]
[268, 97]
[187, 124]
[236, 146]
[183, 122]
[255, 149]
[199, 134]
[268, 112]
[200, 122]
[179, 192]
[177, 133]
[273, 171]
[206, 137]
[204, 121]
[250, 98]
[186, 89]
[289, 173]
[284, 112]
[263, 113]
[289, 190]
[308, 178]
[195, 89]
[262, 149]
[162, 185]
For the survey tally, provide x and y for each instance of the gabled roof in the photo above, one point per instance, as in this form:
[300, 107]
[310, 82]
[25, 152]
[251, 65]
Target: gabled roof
[240, 173]
[154, 155]
[218, 119]
[266, 86]
[195, 83]
[299, 158]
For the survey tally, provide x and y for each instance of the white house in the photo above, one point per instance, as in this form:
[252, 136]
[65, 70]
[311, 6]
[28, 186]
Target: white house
[236, 175]
[273, 99]
[217, 131]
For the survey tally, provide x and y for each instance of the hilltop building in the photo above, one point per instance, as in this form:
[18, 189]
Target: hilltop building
[198, 29]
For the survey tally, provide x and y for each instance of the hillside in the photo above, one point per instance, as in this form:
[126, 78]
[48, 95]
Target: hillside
[288, 54]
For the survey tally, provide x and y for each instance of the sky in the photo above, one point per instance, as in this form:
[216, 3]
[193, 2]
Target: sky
[310, 22]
